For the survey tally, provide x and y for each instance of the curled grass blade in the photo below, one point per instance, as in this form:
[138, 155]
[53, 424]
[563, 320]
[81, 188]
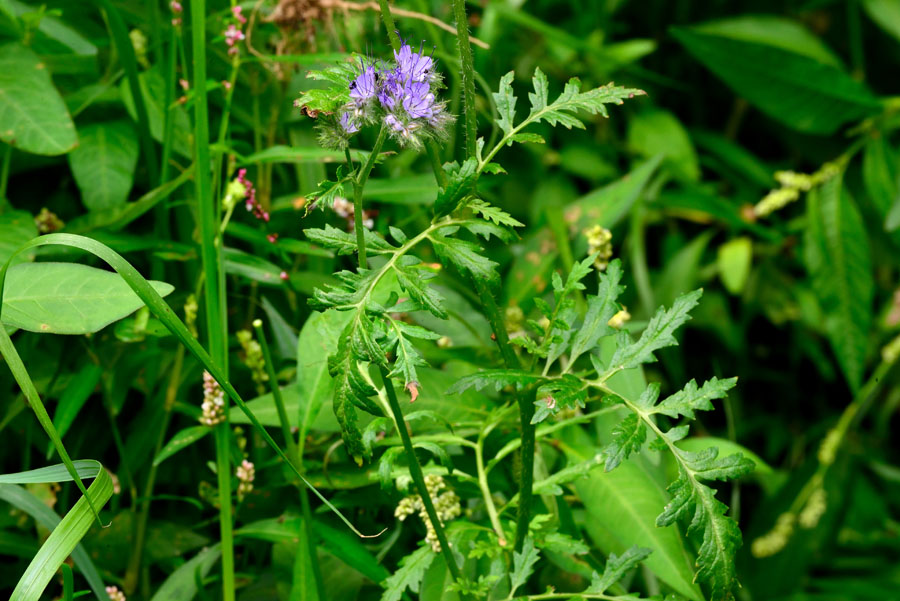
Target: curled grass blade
[164, 313]
[68, 532]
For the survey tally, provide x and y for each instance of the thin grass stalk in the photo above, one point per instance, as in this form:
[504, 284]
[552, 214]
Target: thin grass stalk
[132, 572]
[294, 454]
[214, 300]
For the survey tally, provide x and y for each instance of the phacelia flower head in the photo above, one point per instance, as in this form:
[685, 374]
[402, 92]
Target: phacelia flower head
[399, 95]
[413, 66]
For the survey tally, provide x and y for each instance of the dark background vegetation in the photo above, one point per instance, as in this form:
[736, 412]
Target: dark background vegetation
[718, 153]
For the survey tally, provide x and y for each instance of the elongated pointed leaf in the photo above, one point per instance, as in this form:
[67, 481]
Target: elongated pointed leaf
[68, 298]
[33, 116]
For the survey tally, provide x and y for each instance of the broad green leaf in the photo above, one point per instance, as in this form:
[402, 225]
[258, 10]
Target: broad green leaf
[838, 260]
[33, 116]
[350, 550]
[879, 167]
[773, 31]
[251, 266]
[734, 156]
[733, 260]
[607, 206]
[621, 508]
[409, 574]
[182, 583]
[681, 269]
[103, 163]
[886, 14]
[70, 530]
[16, 228]
[152, 89]
[181, 440]
[56, 29]
[798, 91]
[73, 398]
[67, 298]
[656, 131]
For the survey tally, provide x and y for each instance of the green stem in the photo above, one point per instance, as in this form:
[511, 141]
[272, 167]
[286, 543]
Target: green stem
[468, 74]
[415, 470]
[276, 393]
[134, 565]
[293, 453]
[526, 411]
[388, 19]
[214, 301]
[485, 488]
[4, 174]
[359, 184]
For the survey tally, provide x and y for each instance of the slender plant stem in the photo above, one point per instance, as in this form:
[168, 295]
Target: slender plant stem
[4, 173]
[293, 454]
[134, 564]
[214, 301]
[415, 470]
[388, 19]
[485, 488]
[526, 411]
[468, 74]
[359, 184]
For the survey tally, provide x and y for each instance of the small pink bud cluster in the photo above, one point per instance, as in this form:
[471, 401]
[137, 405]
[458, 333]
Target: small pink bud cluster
[245, 473]
[213, 401]
[236, 11]
[250, 195]
[177, 9]
[115, 594]
[233, 35]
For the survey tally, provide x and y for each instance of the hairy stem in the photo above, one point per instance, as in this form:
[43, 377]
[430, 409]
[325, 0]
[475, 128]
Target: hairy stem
[468, 74]
[415, 470]
[359, 184]
[526, 411]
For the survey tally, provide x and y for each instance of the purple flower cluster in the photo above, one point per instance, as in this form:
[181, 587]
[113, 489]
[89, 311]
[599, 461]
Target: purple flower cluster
[398, 94]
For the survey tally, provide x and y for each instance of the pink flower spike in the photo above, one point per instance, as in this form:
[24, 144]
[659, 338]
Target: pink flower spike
[176, 6]
[184, 84]
[273, 238]
[226, 84]
[236, 11]
[283, 275]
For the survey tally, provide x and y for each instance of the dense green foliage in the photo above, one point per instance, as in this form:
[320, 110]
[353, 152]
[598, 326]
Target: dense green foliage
[292, 310]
